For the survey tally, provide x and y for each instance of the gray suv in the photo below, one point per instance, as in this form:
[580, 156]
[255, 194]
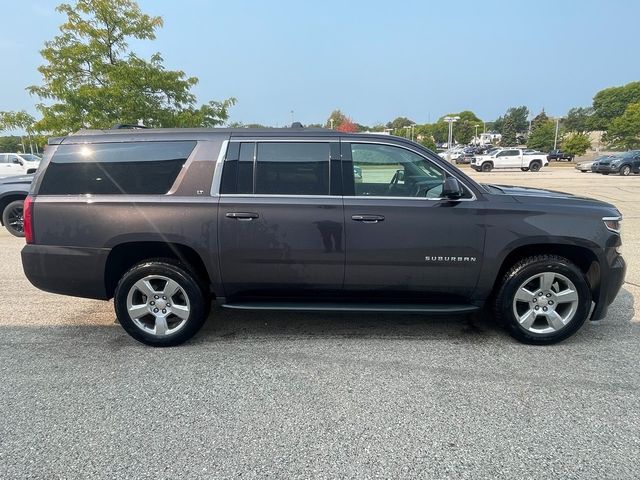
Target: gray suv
[165, 221]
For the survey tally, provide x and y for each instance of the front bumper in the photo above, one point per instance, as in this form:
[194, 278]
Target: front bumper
[611, 281]
[607, 169]
[75, 271]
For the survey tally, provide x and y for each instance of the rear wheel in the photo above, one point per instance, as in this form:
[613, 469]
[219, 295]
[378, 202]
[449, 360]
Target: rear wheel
[535, 166]
[13, 218]
[160, 303]
[543, 299]
[625, 171]
[486, 167]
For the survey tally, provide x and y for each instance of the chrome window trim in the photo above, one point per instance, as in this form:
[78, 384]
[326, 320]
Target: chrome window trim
[217, 172]
[217, 175]
[378, 142]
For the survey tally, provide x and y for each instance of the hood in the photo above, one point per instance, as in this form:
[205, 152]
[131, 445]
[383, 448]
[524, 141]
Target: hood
[17, 179]
[539, 195]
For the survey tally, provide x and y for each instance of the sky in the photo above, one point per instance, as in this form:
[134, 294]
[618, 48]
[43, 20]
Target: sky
[373, 60]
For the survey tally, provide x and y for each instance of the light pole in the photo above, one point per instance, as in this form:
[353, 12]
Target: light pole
[331, 122]
[291, 117]
[476, 137]
[450, 121]
[410, 129]
[555, 140]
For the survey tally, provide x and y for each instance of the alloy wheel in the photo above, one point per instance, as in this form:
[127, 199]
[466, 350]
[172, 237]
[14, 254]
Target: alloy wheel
[158, 305]
[545, 303]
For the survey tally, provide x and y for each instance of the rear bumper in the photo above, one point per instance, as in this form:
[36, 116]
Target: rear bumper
[74, 271]
[611, 280]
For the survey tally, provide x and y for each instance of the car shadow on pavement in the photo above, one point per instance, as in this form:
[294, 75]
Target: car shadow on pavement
[232, 324]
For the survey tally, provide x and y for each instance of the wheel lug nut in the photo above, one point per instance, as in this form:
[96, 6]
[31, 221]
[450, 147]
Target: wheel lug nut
[550, 302]
[164, 310]
[537, 307]
[156, 297]
[153, 303]
[168, 305]
[164, 298]
[155, 310]
[540, 294]
[548, 295]
[544, 308]
[535, 300]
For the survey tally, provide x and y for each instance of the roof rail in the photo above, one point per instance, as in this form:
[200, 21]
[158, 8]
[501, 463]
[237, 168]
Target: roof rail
[124, 126]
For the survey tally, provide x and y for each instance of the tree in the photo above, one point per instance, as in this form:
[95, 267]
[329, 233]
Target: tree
[21, 121]
[509, 133]
[613, 102]
[400, 122]
[92, 79]
[542, 137]
[576, 144]
[335, 118]
[347, 126]
[10, 144]
[579, 119]
[624, 131]
[514, 118]
[538, 119]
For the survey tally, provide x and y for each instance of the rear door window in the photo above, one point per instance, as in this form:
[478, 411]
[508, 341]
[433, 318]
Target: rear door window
[292, 168]
[115, 168]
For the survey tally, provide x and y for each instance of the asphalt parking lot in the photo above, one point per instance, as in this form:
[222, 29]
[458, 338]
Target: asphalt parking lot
[290, 395]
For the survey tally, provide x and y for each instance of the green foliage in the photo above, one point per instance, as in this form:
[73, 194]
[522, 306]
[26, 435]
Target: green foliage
[514, 121]
[19, 120]
[10, 144]
[576, 144]
[509, 133]
[542, 136]
[400, 122]
[91, 78]
[613, 102]
[579, 120]
[428, 142]
[624, 131]
[538, 119]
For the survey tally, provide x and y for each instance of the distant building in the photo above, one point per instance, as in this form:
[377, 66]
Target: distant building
[489, 137]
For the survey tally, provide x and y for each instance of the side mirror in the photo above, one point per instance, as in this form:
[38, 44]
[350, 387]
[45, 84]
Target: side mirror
[451, 188]
[18, 161]
[399, 176]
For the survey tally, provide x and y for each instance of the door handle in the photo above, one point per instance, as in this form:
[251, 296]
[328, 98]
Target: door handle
[242, 216]
[367, 218]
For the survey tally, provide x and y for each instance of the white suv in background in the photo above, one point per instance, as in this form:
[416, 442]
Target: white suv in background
[524, 159]
[18, 164]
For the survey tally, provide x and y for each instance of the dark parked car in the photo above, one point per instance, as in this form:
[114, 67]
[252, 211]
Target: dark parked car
[13, 191]
[559, 155]
[622, 164]
[164, 221]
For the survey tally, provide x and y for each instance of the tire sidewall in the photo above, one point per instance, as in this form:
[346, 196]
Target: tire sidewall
[625, 170]
[535, 166]
[193, 289]
[486, 167]
[514, 282]
[5, 218]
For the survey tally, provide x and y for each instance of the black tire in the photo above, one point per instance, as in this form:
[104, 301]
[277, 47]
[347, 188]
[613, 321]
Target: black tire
[625, 170]
[194, 290]
[535, 166]
[12, 218]
[486, 167]
[524, 169]
[527, 268]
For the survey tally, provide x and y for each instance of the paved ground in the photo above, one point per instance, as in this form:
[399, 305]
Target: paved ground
[314, 395]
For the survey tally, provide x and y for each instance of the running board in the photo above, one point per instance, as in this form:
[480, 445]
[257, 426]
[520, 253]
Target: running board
[354, 307]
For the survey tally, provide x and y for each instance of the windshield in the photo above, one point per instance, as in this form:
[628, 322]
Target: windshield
[30, 158]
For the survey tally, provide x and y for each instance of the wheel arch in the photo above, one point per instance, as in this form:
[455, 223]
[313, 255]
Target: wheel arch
[125, 255]
[583, 257]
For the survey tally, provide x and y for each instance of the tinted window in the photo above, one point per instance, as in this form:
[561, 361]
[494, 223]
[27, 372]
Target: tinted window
[387, 171]
[3, 158]
[292, 168]
[109, 168]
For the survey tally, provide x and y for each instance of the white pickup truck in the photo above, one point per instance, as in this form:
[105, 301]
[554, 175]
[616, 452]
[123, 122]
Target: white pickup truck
[524, 159]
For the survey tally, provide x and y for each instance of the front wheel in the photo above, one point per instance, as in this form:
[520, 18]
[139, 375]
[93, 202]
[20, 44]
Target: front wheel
[625, 171]
[486, 167]
[535, 166]
[543, 300]
[524, 169]
[160, 303]
[13, 218]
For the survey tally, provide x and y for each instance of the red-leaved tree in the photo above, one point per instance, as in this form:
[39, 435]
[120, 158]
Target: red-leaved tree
[347, 126]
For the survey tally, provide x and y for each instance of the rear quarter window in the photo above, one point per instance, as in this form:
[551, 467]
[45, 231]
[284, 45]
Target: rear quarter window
[115, 168]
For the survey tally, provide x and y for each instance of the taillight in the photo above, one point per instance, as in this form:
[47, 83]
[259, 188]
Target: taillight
[27, 216]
